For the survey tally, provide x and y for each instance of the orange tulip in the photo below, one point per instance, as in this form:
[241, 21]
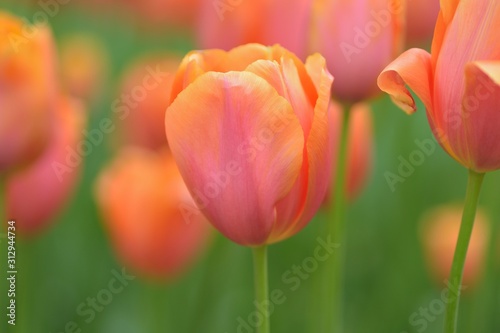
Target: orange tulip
[27, 91]
[358, 38]
[36, 193]
[143, 122]
[149, 213]
[458, 82]
[360, 146]
[439, 234]
[249, 130]
[84, 65]
[421, 18]
[226, 24]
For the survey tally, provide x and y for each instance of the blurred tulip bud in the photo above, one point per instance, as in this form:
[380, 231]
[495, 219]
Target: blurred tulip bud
[145, 95]
[421, 16]
[360, 146]
[37, 193]
[358, 38]
[152, 221]
[227, 24]
[84, 65]
[27, 90]
[439, 233]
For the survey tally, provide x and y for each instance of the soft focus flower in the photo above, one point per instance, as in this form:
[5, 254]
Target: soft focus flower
[458, 83]
[146, 86]
[84, 65]
[439, 233]
[37, 193]
[421, 18]
[249, 130]
[27, 90]
[360, 146]
[152, 220]
[358, 38]
[226, 24]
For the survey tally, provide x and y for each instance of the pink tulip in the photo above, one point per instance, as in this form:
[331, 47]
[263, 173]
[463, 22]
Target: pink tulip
[143, 122]
[421, 16]
[358, 38]
[226, 24]
[154, 225]
[37, 193]
[459, 82]
[27, 91]
[249, 130]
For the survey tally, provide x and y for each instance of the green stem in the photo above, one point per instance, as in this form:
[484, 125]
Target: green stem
[261, 285]
[332, 281]
[457, 268]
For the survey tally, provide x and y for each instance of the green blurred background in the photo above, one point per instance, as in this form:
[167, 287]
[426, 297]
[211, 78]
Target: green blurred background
[386, 277]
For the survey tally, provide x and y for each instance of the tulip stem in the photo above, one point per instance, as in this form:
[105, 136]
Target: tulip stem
[261, 286]
[457, 268]
[332, 299]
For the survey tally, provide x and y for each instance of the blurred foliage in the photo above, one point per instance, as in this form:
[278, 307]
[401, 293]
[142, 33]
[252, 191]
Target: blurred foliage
[386, 279]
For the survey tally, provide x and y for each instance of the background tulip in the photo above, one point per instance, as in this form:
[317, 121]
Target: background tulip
[143, 122]
[28, 90]
[84, 65]
[153, 223]
[254, 148]
[439, 233]
[421, 19]
[37, 193]
[461, 94]
[358, 38]
[227, 24]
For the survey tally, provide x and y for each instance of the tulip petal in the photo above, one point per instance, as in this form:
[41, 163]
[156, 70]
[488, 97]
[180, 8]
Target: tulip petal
[285, 79]
[317, 171]
[414, 69]
[481, 115]
[245, 156]
[197, 63]
[448, 8]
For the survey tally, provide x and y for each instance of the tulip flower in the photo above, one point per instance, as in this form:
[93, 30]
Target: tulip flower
[143, 121]
[421, 19]
[249, 130]
[227, 24]
[258, 136]
[358, 38]
[84, 65]
[151, 218]
[27, 93]
[38, 192]
[459, 84]
[461, 94]
[439, 233]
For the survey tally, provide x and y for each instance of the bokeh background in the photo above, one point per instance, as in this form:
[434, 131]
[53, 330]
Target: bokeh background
[386, 278]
